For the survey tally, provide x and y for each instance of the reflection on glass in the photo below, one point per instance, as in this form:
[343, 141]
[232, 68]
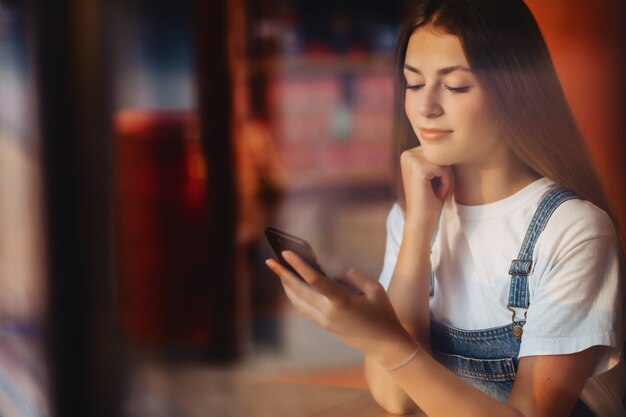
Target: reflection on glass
[23, 374]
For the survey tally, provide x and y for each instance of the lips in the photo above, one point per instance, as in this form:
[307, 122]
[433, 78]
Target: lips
[432, 135]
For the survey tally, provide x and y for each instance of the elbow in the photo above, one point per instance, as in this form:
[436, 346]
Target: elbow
[386, 393]
[399, 410]
[395, 406]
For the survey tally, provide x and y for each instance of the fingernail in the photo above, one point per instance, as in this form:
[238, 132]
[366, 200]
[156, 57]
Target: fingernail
[287, 254]
[270, 263]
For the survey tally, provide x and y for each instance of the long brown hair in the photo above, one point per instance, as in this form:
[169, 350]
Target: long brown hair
[506, 51]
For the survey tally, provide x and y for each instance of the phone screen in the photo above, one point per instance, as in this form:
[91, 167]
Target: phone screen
[281, 241]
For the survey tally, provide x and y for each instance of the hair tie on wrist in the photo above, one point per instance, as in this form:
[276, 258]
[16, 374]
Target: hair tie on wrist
[404, 362]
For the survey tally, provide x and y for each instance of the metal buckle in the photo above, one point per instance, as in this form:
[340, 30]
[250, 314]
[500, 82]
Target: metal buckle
[525, 263]
[518, 329]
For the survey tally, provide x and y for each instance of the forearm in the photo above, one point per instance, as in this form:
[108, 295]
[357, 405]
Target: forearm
[409, 290]
[409, 294]
[440, 393]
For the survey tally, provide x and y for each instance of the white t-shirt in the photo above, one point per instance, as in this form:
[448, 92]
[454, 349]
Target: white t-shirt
[575, 300]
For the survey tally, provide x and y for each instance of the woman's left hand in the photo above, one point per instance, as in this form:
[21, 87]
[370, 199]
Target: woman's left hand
[358, 312]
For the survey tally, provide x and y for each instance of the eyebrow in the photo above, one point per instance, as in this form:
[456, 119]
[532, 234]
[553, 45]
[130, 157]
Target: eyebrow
[442, 71]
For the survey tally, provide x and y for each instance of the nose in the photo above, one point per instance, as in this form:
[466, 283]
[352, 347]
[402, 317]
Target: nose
[429, 105]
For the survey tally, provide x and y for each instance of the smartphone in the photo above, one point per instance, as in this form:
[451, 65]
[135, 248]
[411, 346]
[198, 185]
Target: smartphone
[281, 241]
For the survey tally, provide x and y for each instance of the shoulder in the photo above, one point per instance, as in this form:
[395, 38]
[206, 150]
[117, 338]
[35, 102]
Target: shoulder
[581, 234]
[580, 220]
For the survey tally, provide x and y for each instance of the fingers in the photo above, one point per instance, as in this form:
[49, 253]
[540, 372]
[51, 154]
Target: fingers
[426, 184]
[312, 290]
[306, 271]
[317, 294]
[306, 298]
[285, 275]
[326, 286]
[446, 185]
[362, 282]
[303, 307]
[413, 161]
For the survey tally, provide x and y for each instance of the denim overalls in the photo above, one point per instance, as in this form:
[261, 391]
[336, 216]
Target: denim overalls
[488, 358]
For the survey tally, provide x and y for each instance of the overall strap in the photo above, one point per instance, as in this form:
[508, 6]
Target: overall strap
[523, 265]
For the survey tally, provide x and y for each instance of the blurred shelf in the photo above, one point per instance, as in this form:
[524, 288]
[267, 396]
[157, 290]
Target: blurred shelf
[320, 64]
[352, 183]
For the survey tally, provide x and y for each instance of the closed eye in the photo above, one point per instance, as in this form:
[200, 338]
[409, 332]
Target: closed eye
[458, 89]
[414, 87]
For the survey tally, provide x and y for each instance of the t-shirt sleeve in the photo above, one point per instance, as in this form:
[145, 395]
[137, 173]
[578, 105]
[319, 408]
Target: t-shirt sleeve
[574, 289]
[395, 224]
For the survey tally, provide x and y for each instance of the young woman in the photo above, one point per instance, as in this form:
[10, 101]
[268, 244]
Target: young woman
[500, 290]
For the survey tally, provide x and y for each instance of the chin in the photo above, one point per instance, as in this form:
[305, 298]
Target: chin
[439, 156]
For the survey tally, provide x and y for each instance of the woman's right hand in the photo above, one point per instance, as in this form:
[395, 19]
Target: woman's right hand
[426, 186]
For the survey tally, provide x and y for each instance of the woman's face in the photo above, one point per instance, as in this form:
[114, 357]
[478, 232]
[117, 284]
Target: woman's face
[446, 106]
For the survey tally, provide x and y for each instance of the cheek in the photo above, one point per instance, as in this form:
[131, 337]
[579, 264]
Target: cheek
[474, 115]
[483, 121]
[410, 108]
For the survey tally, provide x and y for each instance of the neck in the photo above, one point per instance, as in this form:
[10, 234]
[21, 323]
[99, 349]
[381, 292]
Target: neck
[477, 185]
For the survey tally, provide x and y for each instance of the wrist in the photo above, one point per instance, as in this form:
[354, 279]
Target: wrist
[418, 236]
[419, 227]
[392, 355]
[405, 361]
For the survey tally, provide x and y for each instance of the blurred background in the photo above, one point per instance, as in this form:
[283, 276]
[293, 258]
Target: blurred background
[146, 144]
